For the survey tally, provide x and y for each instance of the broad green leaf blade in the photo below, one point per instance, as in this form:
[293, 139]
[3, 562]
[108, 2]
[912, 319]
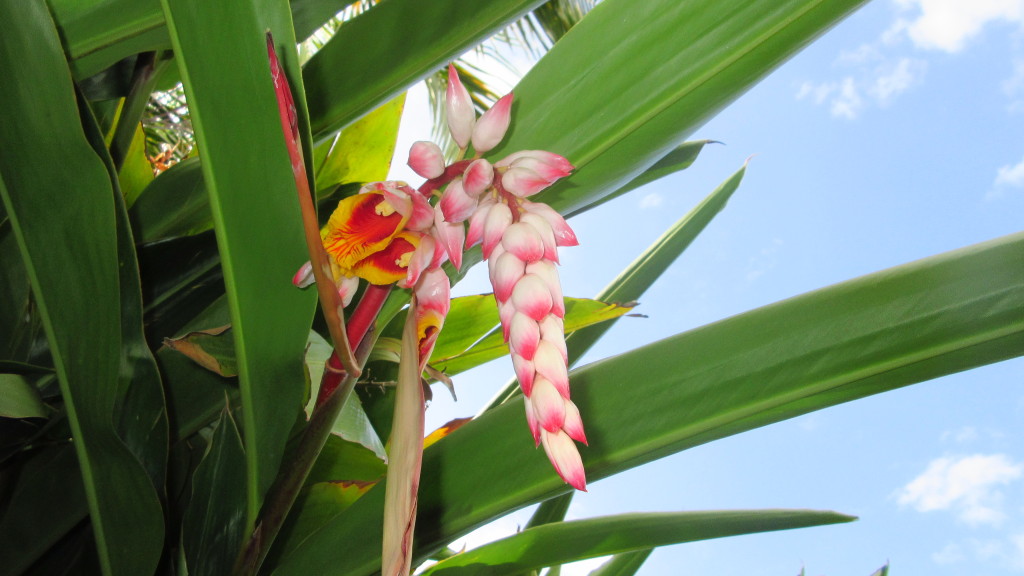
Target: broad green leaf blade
[176, 203]
[612, 118]
[361, 152]
[212, 529]
[345, 79]
[564, 542]
[222, 56]
[896, 327]
[142, 415]
[76, 245]
[19, 398]
[46, 501]
[473, 337]
[625, 564]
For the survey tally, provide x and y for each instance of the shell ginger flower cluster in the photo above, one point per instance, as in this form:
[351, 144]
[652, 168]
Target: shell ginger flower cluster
[391, 233]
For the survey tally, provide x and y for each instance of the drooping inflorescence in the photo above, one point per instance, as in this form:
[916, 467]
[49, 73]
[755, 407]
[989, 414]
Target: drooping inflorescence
[390, 233]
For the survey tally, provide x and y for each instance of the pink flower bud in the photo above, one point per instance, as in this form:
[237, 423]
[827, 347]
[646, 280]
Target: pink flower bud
[547, 272]
[493, 124]
[499, 217]
[546, 233]
[524, 241]
[426, 159]
[419, 261]
[523, 336]
[304, 276]
[479, 176]
[523, 182]
[564, 236]
[456, 204]
[548, 405]
[505, 271]
[532, 297]
[573, 425]
[434, 292]
[552, 330]
[347, 287]
[459, 106]
[531, 420]
[524, 373]
[565, 458]
[557, 166]
[548, 362]
[452, 237]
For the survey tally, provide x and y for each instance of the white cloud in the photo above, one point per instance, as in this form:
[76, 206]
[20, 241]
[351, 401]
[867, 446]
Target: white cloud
[652, 200]
[848, 103]
[962, 436]
[1011, 175]
[951, 554]
[947, 25]
[965, 485]
[897, 79]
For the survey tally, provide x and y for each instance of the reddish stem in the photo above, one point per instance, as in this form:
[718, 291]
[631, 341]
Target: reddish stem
[358, 325]
[450, 173]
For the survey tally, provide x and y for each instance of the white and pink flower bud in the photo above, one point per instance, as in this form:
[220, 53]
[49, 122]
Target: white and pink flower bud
[456, 205]
[451, 236]
[426, 159]
[564, 236]
[493, 124]
[459, 106]
[479, 176]
[304, 276]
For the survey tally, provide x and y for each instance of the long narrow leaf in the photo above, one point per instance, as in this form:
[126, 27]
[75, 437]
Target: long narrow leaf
[564, 542]
[922, 320]
[222, 56]
[625, 564]
[666, 67]
[71, 253]
[345, 79]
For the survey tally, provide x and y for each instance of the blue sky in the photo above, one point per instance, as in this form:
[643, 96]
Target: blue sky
[898, 135]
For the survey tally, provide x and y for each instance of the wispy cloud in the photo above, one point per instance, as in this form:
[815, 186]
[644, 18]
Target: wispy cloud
[879, 84]
[967, 486]
[1011, 175]
[893, 80]
[652, 200]
[948, 25]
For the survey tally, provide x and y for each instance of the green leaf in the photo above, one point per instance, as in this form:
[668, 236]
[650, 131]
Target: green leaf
[613, 119]
[212, 529]
[195, 396]
[221, 53]
[142, 416]
[625, 564]
[564, 542]
[46, 501]
[136, 173]
[631, 284]
[82, 325]
[174, 204]
[919, 321]
[345, 79]
[19, 398]
[212, 348]
[471, 338]
[679, 159]
[362, 152]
